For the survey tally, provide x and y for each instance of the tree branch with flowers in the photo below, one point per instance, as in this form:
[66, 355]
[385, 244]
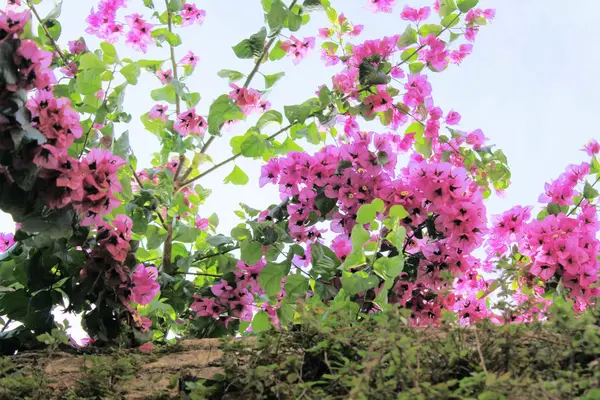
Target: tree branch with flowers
[387, 211]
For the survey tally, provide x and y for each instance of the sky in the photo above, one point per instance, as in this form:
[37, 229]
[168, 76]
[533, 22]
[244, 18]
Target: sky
[531, 85]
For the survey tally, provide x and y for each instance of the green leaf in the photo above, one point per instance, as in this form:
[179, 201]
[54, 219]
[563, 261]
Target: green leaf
[398, 211]
[589, 193]
[430, 29]
[277, 52]
[236, 177]
[271, 80]
[595, 167]
[186, 234]
[121, 146]
[366, 214]
[175, 5]
[451, 20]
[554, 209]
[266, 4]
[409, 55]
[261, 322]
[109, 54]
[230, 74]
[191, 99]
[270, 277]
[91, 61]
[131, 72]
[253, 46]
[277, 14]
[155, 237]
[408, 37]
[251, 252]
[165, 93]
[397, 237]
[389, 268]
[295, 21]
[360, 281]
[295, 286]
[253, 144]
[223, 109]
[416, 67]
[300, 112]
[447, 7]
[359, 237]
[162, 34]
[466, 5]
[271, 116]
[54, 29]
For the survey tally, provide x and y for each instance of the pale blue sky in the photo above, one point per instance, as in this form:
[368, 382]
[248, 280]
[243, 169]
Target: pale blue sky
[530, 85]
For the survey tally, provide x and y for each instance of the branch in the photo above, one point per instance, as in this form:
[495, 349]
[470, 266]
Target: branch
[221, 253]
[582, 198]
[50, 38]
[253, 71]
[230, 159]
[87, 134]
[173, 61]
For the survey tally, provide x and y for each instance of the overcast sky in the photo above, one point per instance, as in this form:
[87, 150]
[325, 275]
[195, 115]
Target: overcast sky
[531, 85]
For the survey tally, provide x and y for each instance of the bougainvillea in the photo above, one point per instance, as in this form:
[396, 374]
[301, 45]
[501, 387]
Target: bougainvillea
[388, 211]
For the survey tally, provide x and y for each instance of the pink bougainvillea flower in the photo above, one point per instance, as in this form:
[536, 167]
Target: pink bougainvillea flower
[165, 76]
[144, 284]
[453, 118]
[140, 33]
[190, 59]
[325, 33]
[192, 15]
[202, 223]
[159, 111]
[189, 123]
[329, 57]
[414, 14]
[381, 5]
[476, 139]
[81, 342]
[297, 48]
[6, 240]
[592, 148]
[76, 46]
[457, 56]
[378, 102]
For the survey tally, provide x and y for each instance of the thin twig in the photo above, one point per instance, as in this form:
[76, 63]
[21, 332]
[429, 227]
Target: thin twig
[173, 61]
[582, 198]
[481, 359]
[230, 159]
[87, 134]
[48, 35]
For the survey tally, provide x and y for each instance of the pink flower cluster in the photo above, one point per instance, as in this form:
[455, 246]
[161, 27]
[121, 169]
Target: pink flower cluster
[560, 247]
[385, 6]
[88, 184]
[139, 35]
[12, 23]
[235, 299]
[249, 100]
[144, 284]
[355, 173]
[103, 23]
[298, 49]
[190, 123]
[109, 257]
